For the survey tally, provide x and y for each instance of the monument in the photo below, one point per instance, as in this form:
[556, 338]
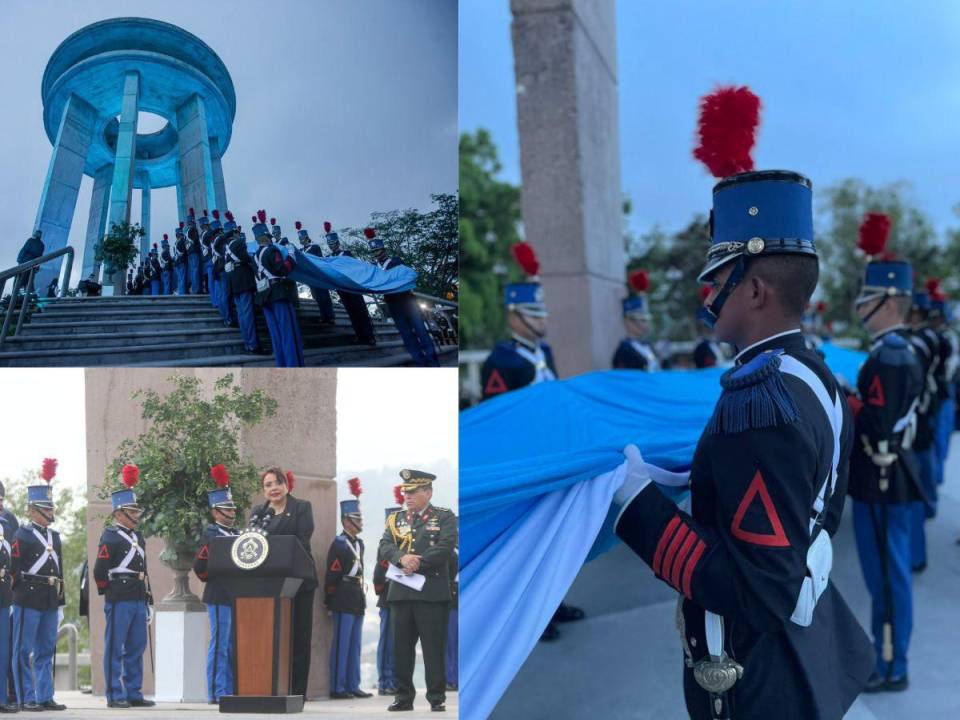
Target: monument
[94, 87]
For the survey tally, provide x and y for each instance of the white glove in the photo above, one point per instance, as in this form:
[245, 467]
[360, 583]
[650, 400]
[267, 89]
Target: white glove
[637, 477]
[149, 614]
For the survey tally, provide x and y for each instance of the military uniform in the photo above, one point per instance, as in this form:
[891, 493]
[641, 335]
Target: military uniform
[320, 295]
[707, 353]
[634, 353]
[156, 272]
[6, 600]
[276, 294]
[452, 653]
[516, 363]
[949, 357]
[166, 267]
[220, 651]
[386, 673]
[148, 275]
[240, 282]
[180, 262]
[37, 569]
[344, 597]
[193, 255]
[431, 534]
[353, 303]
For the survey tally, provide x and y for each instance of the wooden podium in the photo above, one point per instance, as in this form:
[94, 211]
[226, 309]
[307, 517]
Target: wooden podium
[262, 589]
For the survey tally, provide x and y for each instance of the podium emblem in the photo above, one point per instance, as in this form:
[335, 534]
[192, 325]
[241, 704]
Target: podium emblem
[249, 550]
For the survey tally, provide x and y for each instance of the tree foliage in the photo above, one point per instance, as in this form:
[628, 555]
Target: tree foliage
[190, 430]
[120, 246]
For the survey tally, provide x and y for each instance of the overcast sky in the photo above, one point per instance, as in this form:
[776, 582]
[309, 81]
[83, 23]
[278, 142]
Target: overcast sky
[343, 106]
[858, 89]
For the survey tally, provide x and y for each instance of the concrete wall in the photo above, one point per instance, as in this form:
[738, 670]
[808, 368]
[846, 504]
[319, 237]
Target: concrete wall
[196, 165]
[97, 219]
[301, 438]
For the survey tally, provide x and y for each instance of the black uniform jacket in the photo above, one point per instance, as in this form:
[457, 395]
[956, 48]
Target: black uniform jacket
[343, 592]
[111, 552]
[626, 356]
[36, 591]
[296, 519]
[279, 288]
[241, 276]
[213, 591]
[705, 355]
[741, 553]
[431, 534]
[505, 369]
[889, 385]
[927, 345]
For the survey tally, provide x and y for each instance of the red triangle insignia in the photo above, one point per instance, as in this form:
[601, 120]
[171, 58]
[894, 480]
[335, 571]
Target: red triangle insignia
[875, 395]
[495, 384]
[15, 550]
[204, 553]
[778, 538]
[336, 566]
[104, 553]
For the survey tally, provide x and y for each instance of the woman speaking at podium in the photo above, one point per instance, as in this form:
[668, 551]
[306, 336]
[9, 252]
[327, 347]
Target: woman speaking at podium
[283, 514]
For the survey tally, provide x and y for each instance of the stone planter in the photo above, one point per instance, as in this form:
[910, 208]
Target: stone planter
[179, 558]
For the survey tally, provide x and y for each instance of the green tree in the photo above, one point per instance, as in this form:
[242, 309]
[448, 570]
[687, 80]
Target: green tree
[489, 224]
[118, 249]
[189, 431]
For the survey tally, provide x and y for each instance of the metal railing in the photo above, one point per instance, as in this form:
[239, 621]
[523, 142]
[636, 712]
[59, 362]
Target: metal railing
[70, 630]
[23, 275]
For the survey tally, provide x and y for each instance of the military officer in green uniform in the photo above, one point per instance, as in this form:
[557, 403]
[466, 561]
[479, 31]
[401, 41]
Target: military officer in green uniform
[419, 541]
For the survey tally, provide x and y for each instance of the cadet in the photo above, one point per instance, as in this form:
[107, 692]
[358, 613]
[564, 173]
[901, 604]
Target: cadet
[883, 472]
[321, 296]
[166, 266]
[419, 540]
[525, 359]
[276, 294]
[354, 303]
[707, 352]
[6, 599]
[180, 261]
[37, 568]
[276, 231]
[344, 598]
[452, 653]
[206, 257]
[949, 350]
[220, 652]
[120, 574]
[7, 519]
[156, 271]
[193, 255]
[240, 282]
[635, 352]
[386, 673]
[218, 258]
[404, 309]
[146, 273]
[764, 632]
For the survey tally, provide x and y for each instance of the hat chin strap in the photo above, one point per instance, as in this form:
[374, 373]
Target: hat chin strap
[133, 522]
[539, 334]
[709, 315]
[866, 318]
[43, 514]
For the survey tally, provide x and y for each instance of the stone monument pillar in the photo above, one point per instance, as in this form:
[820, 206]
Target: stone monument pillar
[97, 219]
[145, 245]
[566, 75]
[196, 165]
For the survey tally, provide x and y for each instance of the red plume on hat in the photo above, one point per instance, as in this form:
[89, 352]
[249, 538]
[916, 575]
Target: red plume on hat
[873, 233]
[327, 226]
[165, 236]
[229, 216]
[526, 258]
[273, 221]
[155, 245]
[253, 219]
[398, 494]
[639, 281]
[727, 130]
[291, 479]
[298, 225]
[262, 215]
[130, 475]
[49, 469]
[204, 211]
[220, 475]
[821, 307]
[704, 292]
[369, 233]
[932, 286]
[181, 224]
[216, 214]
[190, 211]
[355, 489]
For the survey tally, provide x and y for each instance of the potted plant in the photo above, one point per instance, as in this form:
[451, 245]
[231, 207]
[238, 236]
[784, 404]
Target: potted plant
[117, 250]
[189, 432]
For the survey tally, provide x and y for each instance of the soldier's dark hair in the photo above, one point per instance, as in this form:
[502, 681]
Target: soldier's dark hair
[793, 277]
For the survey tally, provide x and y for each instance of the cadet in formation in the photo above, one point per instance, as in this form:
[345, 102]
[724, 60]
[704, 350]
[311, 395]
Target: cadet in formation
[180, 261]
[707, 352]
[277, 295]
[635, 352]
[386, 672]
[7, 532]
[419, 540]
[884, 483]
[37, 569]
[321, 296]
[220, 651]
[156, 272]
[166, 266]
[241, 283]
[120, 574]
[353, 303]
[344, 597]
[194, 262]
[452, 653]
[764, 632]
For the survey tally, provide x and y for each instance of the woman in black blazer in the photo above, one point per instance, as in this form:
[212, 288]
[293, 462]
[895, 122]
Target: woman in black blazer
[292, 516]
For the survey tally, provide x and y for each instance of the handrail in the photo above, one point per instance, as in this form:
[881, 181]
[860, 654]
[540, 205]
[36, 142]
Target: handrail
[30, 268]
[436, 300]
[70, 630]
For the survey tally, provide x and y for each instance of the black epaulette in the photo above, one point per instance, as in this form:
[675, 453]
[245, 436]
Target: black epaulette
[754, 396]
[442, 509]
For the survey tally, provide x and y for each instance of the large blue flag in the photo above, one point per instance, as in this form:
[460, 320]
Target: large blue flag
[538, 469]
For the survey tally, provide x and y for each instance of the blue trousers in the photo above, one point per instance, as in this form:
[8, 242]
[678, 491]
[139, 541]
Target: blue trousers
[386, 676]
[155, 286]
[167, 281]
[124, 643]
[927, 466]
[220, 652]
[324, 302]
[868, 526]
[945, 422]
[409, 323]
[148, 287]
[453, 648]
[227, 312]
[284, 333]
[6, 652]
[193, 273]
[212, 287]
[35, 634]
[180, 279]
[247, 320]
[345, 653]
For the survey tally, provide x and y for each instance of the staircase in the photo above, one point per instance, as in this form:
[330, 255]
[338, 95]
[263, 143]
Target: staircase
[173, 331]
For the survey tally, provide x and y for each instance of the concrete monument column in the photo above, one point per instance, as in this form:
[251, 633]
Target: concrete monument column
[145, 215]
[122, 187]
[196, 164]
[219, 188]
[97, 220]
[181, 208]
[565, 64]
[59, 197]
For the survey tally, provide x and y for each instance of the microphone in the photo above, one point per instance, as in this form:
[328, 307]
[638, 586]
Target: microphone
[261, 520]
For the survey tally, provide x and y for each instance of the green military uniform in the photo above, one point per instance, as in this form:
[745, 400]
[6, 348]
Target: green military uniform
[420, 614]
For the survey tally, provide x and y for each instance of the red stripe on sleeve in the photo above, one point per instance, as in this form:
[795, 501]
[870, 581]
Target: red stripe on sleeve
[675, 544]
[662, 543]
[691, 565]
[680, 559]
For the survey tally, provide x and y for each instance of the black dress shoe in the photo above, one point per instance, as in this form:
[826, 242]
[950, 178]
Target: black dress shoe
[361, 694]
[897, 684]
[438, 707]
[117, 704]
[568, 613]
[31, 707]
[341, 696]
[550, 633]
[400, 706]
[875, 683]
[142, 702]
[452, 687]
[52, 704]
[10, 708]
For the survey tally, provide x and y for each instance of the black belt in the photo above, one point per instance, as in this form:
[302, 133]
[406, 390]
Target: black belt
[353, 578]
[44, 579]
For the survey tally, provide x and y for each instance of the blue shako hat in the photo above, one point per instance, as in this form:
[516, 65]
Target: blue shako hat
[204, 220]
[391, 510]
[220, 498]
[349, 507]
[215, 223]
[526, 297]
[301, 231]
[884, 276]
[921, 300]
[373, 242]
[40, 495]
[260, 228]
[229, 224]
[637, 305]
[121, 499]
[332, 238]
